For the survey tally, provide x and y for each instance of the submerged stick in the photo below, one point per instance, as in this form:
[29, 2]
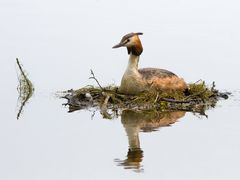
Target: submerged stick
[104, 108]
[22, 105]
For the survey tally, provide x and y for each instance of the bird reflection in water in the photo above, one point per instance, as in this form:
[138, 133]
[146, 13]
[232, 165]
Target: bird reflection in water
[142, 121]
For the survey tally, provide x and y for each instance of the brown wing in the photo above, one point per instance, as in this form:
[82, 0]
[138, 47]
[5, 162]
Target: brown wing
[149, 73]
[161, 79]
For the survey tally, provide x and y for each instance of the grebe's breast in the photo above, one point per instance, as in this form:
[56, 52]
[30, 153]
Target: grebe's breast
[161, 79]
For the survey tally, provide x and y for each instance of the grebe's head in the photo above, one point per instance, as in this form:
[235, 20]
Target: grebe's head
[132, 42]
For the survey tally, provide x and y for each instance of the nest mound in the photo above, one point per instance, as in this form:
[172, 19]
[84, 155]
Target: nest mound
[198, 98]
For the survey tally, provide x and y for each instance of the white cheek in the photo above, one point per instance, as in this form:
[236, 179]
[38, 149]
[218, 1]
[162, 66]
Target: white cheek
[130, 43]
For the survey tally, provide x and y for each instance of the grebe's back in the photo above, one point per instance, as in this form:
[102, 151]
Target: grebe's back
[162, 79]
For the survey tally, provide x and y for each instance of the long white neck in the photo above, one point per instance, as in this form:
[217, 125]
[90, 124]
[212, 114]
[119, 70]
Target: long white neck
[133, 63]
[131, 77]
[133, 139]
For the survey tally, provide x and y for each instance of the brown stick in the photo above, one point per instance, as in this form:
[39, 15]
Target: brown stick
[93, 77]
[196, 94]
[176, 101]
[20, 68]
[29, 89]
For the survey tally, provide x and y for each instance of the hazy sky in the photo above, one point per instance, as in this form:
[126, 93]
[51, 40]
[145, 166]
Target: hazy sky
[194, 39]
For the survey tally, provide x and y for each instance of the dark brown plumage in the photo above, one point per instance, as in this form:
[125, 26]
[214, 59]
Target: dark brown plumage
[148, 73]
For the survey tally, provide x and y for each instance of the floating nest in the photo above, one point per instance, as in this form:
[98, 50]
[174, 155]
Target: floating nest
[110, 101]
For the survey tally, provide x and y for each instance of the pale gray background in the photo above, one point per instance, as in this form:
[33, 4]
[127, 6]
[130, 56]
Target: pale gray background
[59, 41]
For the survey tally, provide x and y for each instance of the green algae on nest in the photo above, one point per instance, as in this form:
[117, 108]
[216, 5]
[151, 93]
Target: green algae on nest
[199, 98]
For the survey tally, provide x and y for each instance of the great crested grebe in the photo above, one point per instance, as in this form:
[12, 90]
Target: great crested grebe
[137, 80]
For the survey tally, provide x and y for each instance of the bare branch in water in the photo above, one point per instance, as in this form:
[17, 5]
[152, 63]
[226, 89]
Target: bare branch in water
[25, 89]
[22, 73]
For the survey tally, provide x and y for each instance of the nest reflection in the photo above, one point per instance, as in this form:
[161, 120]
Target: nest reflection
[142, 121]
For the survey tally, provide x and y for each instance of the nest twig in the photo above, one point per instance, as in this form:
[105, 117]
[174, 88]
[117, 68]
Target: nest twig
[93, 77]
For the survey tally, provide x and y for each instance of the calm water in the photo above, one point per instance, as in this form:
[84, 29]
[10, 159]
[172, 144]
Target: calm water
[58, 42]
